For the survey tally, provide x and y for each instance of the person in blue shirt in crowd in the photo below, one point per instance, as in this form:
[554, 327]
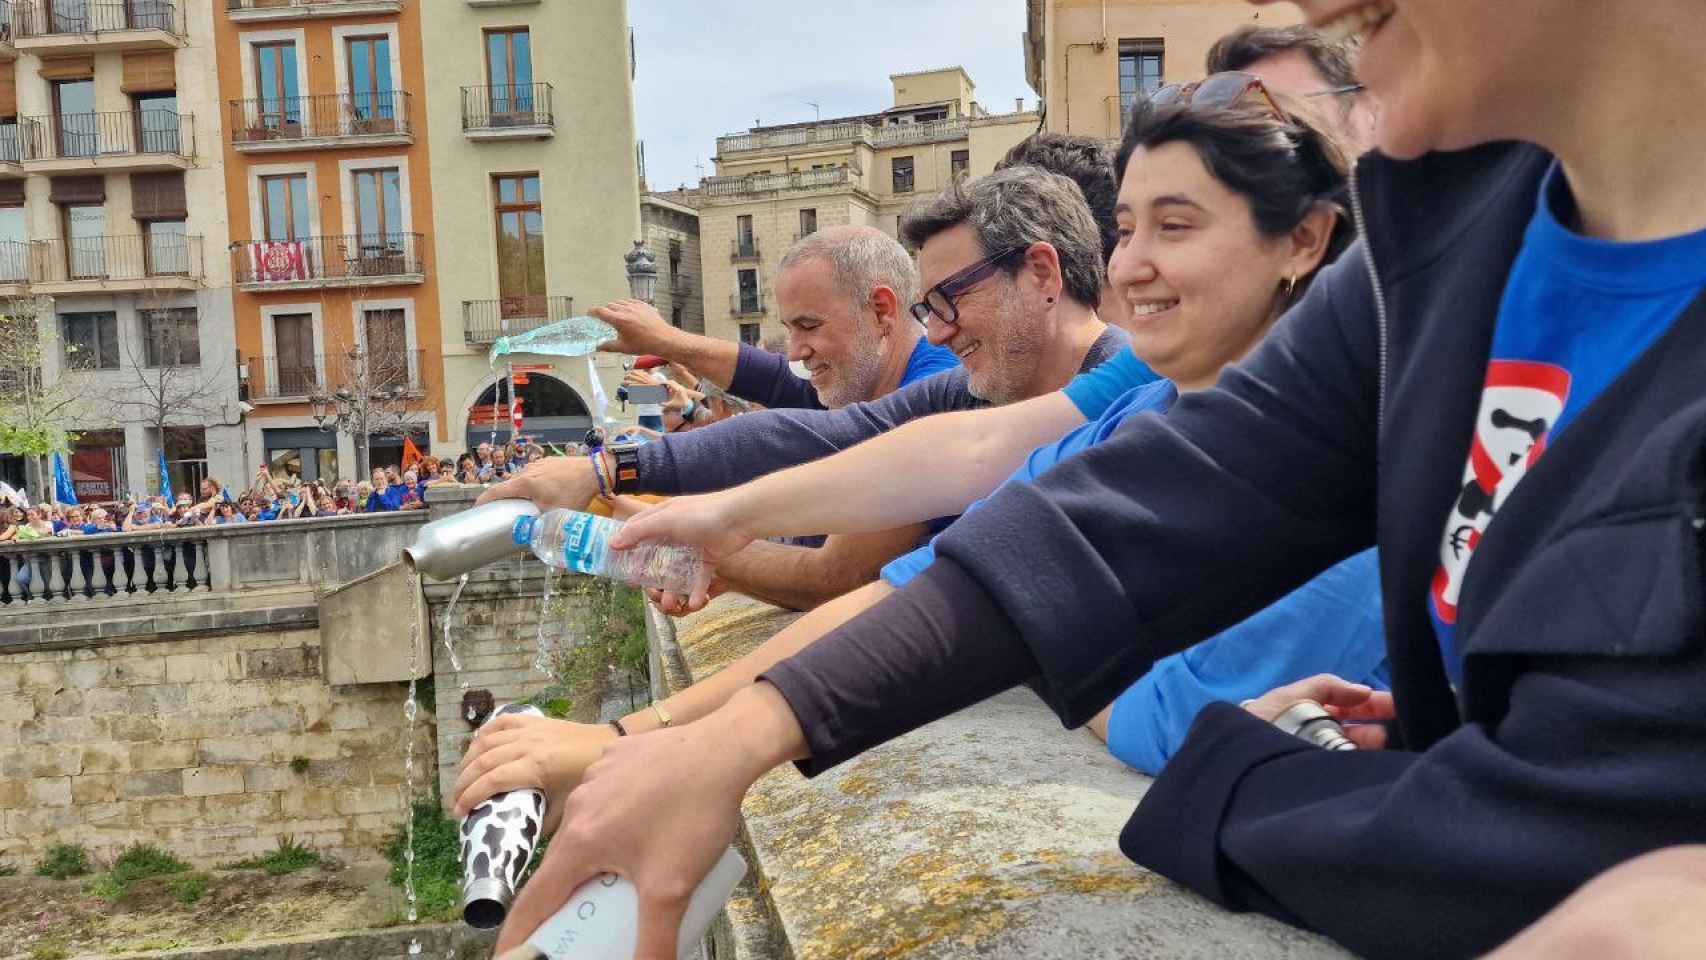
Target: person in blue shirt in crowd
[386, 495]
[1240, 184]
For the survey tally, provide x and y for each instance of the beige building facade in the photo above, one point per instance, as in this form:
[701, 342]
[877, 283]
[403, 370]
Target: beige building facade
[671, 225]
[1088, 59]
[776, 184]
[536, 197]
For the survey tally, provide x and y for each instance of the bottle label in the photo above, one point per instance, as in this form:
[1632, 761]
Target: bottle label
[586, 540]
[523, 532]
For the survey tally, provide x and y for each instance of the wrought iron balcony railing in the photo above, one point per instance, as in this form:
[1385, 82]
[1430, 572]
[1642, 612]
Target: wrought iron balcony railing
[349, 260]
[746, 304]
[507, 107]
[484, 321]
[118, 258]
[100, 136]
[284, 9]
[50, 18]
[743, 248]
[290, 121]
[383, 373]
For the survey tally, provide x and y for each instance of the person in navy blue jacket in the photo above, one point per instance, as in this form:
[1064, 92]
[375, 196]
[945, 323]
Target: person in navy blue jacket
[1500, 386]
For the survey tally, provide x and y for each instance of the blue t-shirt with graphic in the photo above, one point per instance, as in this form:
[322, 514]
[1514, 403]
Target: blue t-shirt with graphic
[1576, 313]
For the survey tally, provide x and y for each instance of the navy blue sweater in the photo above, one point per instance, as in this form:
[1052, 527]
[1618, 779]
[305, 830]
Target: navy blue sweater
[1577, 741]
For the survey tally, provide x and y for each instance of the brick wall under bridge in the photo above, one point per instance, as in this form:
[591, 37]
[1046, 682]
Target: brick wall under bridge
[216, 718]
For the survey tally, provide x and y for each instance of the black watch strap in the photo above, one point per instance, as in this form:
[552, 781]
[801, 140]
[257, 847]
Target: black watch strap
[627, 457]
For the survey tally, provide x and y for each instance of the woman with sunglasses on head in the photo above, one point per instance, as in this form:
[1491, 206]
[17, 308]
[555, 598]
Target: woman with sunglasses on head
[1232, 179]
[1506, 368]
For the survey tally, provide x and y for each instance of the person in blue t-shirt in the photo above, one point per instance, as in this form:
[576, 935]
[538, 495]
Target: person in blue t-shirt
[1180, 227]
[386, 495]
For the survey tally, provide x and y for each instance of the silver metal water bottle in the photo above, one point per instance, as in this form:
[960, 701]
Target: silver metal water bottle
[498, 838]
[447, 548]
[1308, 720]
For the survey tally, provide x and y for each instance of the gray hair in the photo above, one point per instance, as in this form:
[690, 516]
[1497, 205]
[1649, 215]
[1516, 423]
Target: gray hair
[860, 260]
[1017, 207]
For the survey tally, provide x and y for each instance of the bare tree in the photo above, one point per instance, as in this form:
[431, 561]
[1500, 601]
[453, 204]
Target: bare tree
[166, 379]
[34, 410]
[374, 380]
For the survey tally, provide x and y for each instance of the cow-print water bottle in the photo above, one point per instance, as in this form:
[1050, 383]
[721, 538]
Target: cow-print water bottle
[498, 838]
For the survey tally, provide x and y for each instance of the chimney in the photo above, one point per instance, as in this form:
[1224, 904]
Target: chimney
[1018, 104]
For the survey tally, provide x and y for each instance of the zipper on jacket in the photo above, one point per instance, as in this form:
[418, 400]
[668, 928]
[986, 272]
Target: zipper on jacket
[1379, 300]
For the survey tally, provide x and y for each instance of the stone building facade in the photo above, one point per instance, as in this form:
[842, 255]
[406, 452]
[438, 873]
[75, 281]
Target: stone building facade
[671, 226]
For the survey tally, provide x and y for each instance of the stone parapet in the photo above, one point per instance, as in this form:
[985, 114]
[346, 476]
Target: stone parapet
[992, 833]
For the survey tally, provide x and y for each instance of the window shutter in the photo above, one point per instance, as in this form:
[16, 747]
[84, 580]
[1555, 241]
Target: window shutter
[11, 193]
[78, 190]
[68, 68]
[9, 90]
[149, 72]
[158, 196]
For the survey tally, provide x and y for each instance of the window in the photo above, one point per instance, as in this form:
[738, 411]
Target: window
[157, 202]
[745, 244]
[749, 334]
[171, 337]
[284, 207]
[746, 282]
[167, 250]
[85, 241]
[509, 70]
[275, 85]
[521, 245]
[901, 168]
[808, 221]
[1140, 71]
[389, 361]
[293, 354]
[91, 340]
[674, 258]
[11, 148]
[959, 162]
[156, 122]
[74, 114]
[14, 241]
[675, 317]
[371, 98]
[186, 458]
[379, 210]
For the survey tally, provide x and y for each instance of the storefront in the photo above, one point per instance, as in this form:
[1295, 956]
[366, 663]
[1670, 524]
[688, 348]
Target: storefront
[308, 453]
[552, 412]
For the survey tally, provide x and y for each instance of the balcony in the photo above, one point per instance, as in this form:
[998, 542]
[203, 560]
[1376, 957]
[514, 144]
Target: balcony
[261, 11]
[125, 264]
[500, 3]
[508, 112]
[764, 183]
[8, 25]
[11, 149]
[842, 132]
[383, 374]
[14, 267]
[484, 321]
[743, 248]
[327, 121]
[121, 141]
[53, 27]
[747, 304]
[314, 263]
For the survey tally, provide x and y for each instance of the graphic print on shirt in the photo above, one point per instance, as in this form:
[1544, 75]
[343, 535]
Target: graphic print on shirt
[1520, 404]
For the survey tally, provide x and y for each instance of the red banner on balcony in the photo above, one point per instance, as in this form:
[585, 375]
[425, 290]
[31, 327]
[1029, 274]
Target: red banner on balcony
[273, 261]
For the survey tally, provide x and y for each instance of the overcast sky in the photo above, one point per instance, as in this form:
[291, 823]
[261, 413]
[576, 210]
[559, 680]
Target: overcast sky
[707, 69]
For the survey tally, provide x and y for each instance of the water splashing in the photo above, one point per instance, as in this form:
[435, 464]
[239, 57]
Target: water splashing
[449, 646]
[411, 712]
[542, 649]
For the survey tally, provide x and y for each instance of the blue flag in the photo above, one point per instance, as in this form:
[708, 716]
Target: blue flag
[63, 491]
[165, 479]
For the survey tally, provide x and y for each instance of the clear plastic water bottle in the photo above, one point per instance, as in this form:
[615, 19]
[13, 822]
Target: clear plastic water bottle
[573, 337]
[571, 540]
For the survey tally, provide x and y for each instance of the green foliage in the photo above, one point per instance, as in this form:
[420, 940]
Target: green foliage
[63, 861]
[299, 765]
[54, 949]
[288, 857]
[631, 652]
[189, 887]
[140, 861]
[8, 869]
[438, 861]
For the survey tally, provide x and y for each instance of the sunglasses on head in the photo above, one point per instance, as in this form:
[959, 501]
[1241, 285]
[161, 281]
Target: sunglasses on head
[1219, 90]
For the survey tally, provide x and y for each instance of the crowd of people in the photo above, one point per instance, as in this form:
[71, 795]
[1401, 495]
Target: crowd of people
[1187, 433]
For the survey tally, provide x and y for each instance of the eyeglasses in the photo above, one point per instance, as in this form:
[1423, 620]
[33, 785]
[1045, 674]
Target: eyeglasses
[1219, 90]
[1348, 88]
[942, 299]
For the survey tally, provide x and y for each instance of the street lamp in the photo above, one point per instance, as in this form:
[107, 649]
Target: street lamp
[642, 272]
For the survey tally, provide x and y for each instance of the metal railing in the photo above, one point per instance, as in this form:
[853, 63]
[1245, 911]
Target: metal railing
[747, 305]
[845, 131]
[506, 106]
[14, 261]
[483, 321]
[772, 182]
[240, 5]
[8, 25]
[47, 18]
[743, 248]
[383, 371]
[137, 257]
[322, 116]
[115, 134]
[350, 257]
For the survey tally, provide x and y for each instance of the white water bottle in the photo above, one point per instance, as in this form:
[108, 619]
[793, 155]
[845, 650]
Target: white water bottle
[571, 540]
[601, 918]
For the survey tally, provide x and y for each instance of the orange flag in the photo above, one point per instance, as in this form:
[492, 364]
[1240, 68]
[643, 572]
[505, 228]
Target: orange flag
[411, 454]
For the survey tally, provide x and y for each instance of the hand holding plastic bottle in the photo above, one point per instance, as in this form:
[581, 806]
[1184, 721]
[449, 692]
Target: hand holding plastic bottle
[712, 522]
[639, 328]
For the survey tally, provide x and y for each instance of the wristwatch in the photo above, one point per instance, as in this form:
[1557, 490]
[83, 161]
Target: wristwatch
[627, 458]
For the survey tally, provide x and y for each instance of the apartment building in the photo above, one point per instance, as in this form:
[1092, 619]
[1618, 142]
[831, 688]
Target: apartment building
[530, 117]
[327, 187]
[670, 222]
[1089, 59]
[108, 127]
[776, 184]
